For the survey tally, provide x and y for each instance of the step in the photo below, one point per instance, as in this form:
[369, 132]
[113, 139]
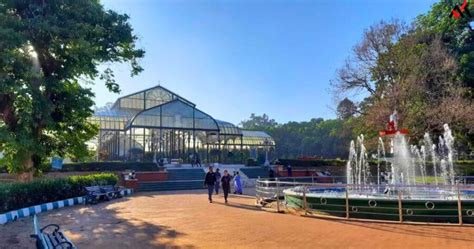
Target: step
[256, 172]
[170, 185]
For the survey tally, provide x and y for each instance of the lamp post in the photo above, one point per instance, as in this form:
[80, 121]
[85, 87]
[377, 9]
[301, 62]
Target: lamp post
[266, 143]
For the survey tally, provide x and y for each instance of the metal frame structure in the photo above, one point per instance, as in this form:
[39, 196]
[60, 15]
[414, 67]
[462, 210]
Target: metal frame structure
[157, 121]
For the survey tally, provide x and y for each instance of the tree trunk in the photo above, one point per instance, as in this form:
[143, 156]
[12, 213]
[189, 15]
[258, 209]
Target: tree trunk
[27, 175]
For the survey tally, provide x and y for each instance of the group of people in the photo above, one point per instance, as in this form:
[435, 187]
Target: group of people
[214, 180]
[195, 160]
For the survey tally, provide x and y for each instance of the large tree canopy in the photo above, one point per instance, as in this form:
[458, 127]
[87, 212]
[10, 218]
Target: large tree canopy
[257, 122]
[47, 49]
[317, 137]
[424, 71]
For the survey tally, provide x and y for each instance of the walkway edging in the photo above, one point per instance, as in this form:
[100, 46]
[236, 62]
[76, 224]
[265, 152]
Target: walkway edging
[30, 211]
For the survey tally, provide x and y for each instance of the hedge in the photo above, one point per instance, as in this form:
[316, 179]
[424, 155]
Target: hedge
[312, 163]
[19, 195]
[110, 166]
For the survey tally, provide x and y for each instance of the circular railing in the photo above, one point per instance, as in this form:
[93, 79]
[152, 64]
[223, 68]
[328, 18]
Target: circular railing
[449, 204]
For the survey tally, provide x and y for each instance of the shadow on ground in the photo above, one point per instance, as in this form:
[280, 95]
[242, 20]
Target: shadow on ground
[96, 226]
[241, 206]
[428, 231]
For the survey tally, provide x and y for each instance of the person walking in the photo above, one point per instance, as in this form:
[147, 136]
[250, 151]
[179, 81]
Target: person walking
[209, 182]
[289, 171]
[237, 183]
[218, 181]
[225, 180]
[271, 174]
[198, 160]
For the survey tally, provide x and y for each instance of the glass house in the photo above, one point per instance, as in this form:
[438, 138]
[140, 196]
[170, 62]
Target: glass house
[157, 123]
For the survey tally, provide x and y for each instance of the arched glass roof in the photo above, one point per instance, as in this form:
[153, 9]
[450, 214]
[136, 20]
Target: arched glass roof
[174, 115]
[147, 99]
[125, 108]
[226, 128]
[109, 119]
[257, 138]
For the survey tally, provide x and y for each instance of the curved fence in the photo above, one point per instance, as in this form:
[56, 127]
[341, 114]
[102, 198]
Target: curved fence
[449, 204]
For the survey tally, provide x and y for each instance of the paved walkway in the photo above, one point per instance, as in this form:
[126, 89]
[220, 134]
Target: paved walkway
[187, 220]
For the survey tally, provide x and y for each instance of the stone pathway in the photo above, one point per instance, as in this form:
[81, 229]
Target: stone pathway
[187, 220]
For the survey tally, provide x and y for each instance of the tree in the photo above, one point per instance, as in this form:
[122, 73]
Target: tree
[346, 109]
[256, 122]
[456, 34]
[357, 75]
[47, 48]
[317, 137]
[422, 72]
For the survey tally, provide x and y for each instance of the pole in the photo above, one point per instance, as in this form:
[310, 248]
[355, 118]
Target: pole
[257, 185]
[347, 204]
[459, 206]
[400, 209]
[378, 172]
[278, 195]
[305, 203]
[266, 157]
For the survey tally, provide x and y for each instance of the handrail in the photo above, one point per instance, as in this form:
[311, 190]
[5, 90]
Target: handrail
[267, 180]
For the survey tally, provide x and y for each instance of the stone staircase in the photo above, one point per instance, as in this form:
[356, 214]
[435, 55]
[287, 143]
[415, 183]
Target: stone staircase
[178, 179]
[170, 185]
[193, 178]
[255, 172]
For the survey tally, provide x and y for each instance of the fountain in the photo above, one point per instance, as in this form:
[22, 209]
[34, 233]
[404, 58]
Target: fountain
[418, 182]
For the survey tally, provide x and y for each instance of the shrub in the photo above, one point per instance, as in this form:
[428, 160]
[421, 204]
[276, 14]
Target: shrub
[312, 163]
[110, 166]
[251, 162]
[19, 195]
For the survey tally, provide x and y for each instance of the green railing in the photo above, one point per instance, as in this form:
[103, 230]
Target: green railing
[440, 204]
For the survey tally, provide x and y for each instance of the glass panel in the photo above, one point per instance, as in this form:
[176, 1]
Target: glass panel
[135, 101]
[157, 96]
[175, 114]
[257, 138]
[204, 121]
[227, 128]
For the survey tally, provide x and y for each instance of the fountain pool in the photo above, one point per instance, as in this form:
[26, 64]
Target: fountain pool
[402, 192]
[418, 204]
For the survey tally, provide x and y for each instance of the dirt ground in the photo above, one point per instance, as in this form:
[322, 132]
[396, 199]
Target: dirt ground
[187, 220]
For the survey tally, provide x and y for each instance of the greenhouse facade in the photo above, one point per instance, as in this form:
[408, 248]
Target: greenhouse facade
[157, 123]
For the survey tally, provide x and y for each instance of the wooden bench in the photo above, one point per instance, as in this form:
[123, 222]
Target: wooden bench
[97, 193]
[50, 236]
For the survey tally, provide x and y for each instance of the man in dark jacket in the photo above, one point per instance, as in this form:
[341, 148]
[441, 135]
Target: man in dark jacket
[225, 180]
[218, 181]
[209, 181]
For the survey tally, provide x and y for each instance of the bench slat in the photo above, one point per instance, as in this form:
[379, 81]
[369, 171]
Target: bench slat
[56, 239]
[48, 241]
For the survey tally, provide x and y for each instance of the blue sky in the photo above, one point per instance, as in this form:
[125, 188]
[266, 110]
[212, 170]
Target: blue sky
[233, 58]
